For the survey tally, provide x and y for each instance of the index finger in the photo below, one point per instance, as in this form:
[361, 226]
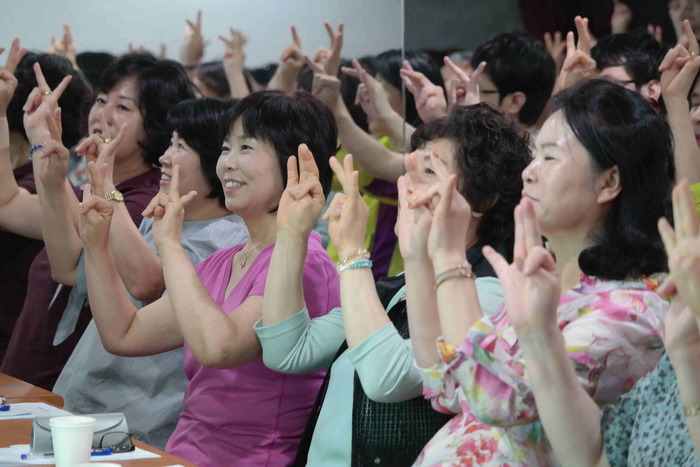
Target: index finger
[15, 55]
[41, 81]
[174, 189]
[456, 70]
[105, 126]
[67, 35]
[690, 34]
[307, 163]
[292, 172]
[62, 86]
[199, 20]
[295, 36]
[338, 170]
[315, 68]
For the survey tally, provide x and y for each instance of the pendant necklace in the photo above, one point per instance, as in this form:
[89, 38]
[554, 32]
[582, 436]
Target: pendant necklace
[245, 260]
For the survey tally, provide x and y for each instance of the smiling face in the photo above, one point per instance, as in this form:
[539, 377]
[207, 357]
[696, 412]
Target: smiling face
[561, 181]
[191, 177]
[250, 173]
[120, 106]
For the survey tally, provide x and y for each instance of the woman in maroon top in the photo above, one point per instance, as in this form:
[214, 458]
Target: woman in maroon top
[136, 93]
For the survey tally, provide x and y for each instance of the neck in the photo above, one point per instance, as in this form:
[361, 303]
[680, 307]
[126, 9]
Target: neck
[262, 229]
[19, 150]
[567, 247]
[204, 209]
[129, 167]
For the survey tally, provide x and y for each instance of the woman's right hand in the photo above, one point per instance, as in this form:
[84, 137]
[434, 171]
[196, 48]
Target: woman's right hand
[95, 211]
[413, 223]
[530, 284]
[348, 213]
[578, 64]
[8, 82]
[302, 201]
[41, 105]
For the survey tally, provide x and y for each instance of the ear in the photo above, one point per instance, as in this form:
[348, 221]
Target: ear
[609, 186]
[651, 89]
[513, 102]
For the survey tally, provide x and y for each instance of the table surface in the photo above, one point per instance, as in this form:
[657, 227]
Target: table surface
[18, 431]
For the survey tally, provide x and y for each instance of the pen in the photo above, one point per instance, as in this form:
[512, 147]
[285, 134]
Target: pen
[40, 455]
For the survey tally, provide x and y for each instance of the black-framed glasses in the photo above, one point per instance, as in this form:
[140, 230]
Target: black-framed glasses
[117, 441]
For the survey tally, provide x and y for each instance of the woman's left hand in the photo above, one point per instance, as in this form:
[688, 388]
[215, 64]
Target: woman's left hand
[348, 213]
[41, 104]
[168, 212]
[530, 284]
[302, 201]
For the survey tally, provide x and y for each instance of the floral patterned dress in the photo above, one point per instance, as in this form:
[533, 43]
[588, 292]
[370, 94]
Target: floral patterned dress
[612, 331]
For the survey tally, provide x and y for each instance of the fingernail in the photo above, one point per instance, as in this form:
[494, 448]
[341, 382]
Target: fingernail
[409, 192]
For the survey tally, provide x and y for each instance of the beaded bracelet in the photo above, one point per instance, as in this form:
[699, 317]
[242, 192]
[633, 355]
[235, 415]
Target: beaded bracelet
[363, 254]
[357, 264]
[463, 270]
[35, 147]
[692, 411]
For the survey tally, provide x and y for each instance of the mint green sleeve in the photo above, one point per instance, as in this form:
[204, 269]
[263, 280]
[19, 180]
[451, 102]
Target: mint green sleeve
[300, 344]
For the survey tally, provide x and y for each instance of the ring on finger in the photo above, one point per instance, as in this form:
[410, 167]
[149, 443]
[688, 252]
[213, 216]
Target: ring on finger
[46, 93]
[107, 140]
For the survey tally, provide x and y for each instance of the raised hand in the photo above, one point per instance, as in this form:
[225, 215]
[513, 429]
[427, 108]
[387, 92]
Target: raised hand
[656, 32]
[95, 211]
[556, 46]
[414, 221]
[464, 90]
[65, 47]
[324, 86]
[53, 164]
[292, 56]
[41, 104]
[578, 64]
[371, 96]
[683, 248]
[332, 62]
[530, 284]
[193, 44]
[168, 212]
[621, 17]
[234, 57]
[348, 213]
[679, 68]
[430, 98]
[102, 148]
[8, 82]
[302, 201]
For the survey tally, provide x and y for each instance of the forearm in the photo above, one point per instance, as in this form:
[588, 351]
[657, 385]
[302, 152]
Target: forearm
[236, 82]
[398, 131]
[685, 365]
[8, 185]
[111, 308]
[570, 417]
[363, 312]
[139, 267]
[284, 79]
[457, 301]
[686, 151]
[61, 238]
[423, 318]
[216, 340]
[369, 153]
[284, 289]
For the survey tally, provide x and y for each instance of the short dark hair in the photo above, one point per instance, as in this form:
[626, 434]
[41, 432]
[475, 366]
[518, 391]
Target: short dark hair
[74, 102]
[93, 64]
[517, 62]
[619, 128]
[491, 154]
[213, 76]
[639, 53]
[285, 121]
[161, 84]
[198, 122]
[388, 64]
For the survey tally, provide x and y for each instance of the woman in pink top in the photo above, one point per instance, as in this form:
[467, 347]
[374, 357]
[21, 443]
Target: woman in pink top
[236, 411]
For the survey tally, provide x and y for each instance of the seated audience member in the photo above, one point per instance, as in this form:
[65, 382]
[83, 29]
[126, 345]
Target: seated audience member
[18, 252]
[374, 366]
[518, 78]
[631, 60]
[236, 411]
[137, 90]
[648, 425]
[149, 389]
[600, 178]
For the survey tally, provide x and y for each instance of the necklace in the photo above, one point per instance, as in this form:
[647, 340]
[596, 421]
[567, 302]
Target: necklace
[245, 260]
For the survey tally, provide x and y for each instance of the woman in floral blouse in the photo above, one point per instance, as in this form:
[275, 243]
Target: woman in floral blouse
[602, 172]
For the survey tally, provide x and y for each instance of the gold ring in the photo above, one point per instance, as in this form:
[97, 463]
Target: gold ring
[46, 93]
[107, 140]
[693, 54]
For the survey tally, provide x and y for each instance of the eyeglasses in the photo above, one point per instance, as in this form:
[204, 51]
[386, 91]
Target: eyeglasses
[117, 441]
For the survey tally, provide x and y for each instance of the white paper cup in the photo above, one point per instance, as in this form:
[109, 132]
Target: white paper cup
[72, 439]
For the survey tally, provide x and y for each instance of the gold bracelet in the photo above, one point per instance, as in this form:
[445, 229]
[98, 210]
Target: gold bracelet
[359, 254]
[463, 270]
[692, 411]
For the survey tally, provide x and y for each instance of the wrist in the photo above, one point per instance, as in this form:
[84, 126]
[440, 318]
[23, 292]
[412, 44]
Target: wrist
[447, 259]
[291, 238]
[167, 245]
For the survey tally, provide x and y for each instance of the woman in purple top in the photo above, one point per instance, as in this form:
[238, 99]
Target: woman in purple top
[236, 411]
